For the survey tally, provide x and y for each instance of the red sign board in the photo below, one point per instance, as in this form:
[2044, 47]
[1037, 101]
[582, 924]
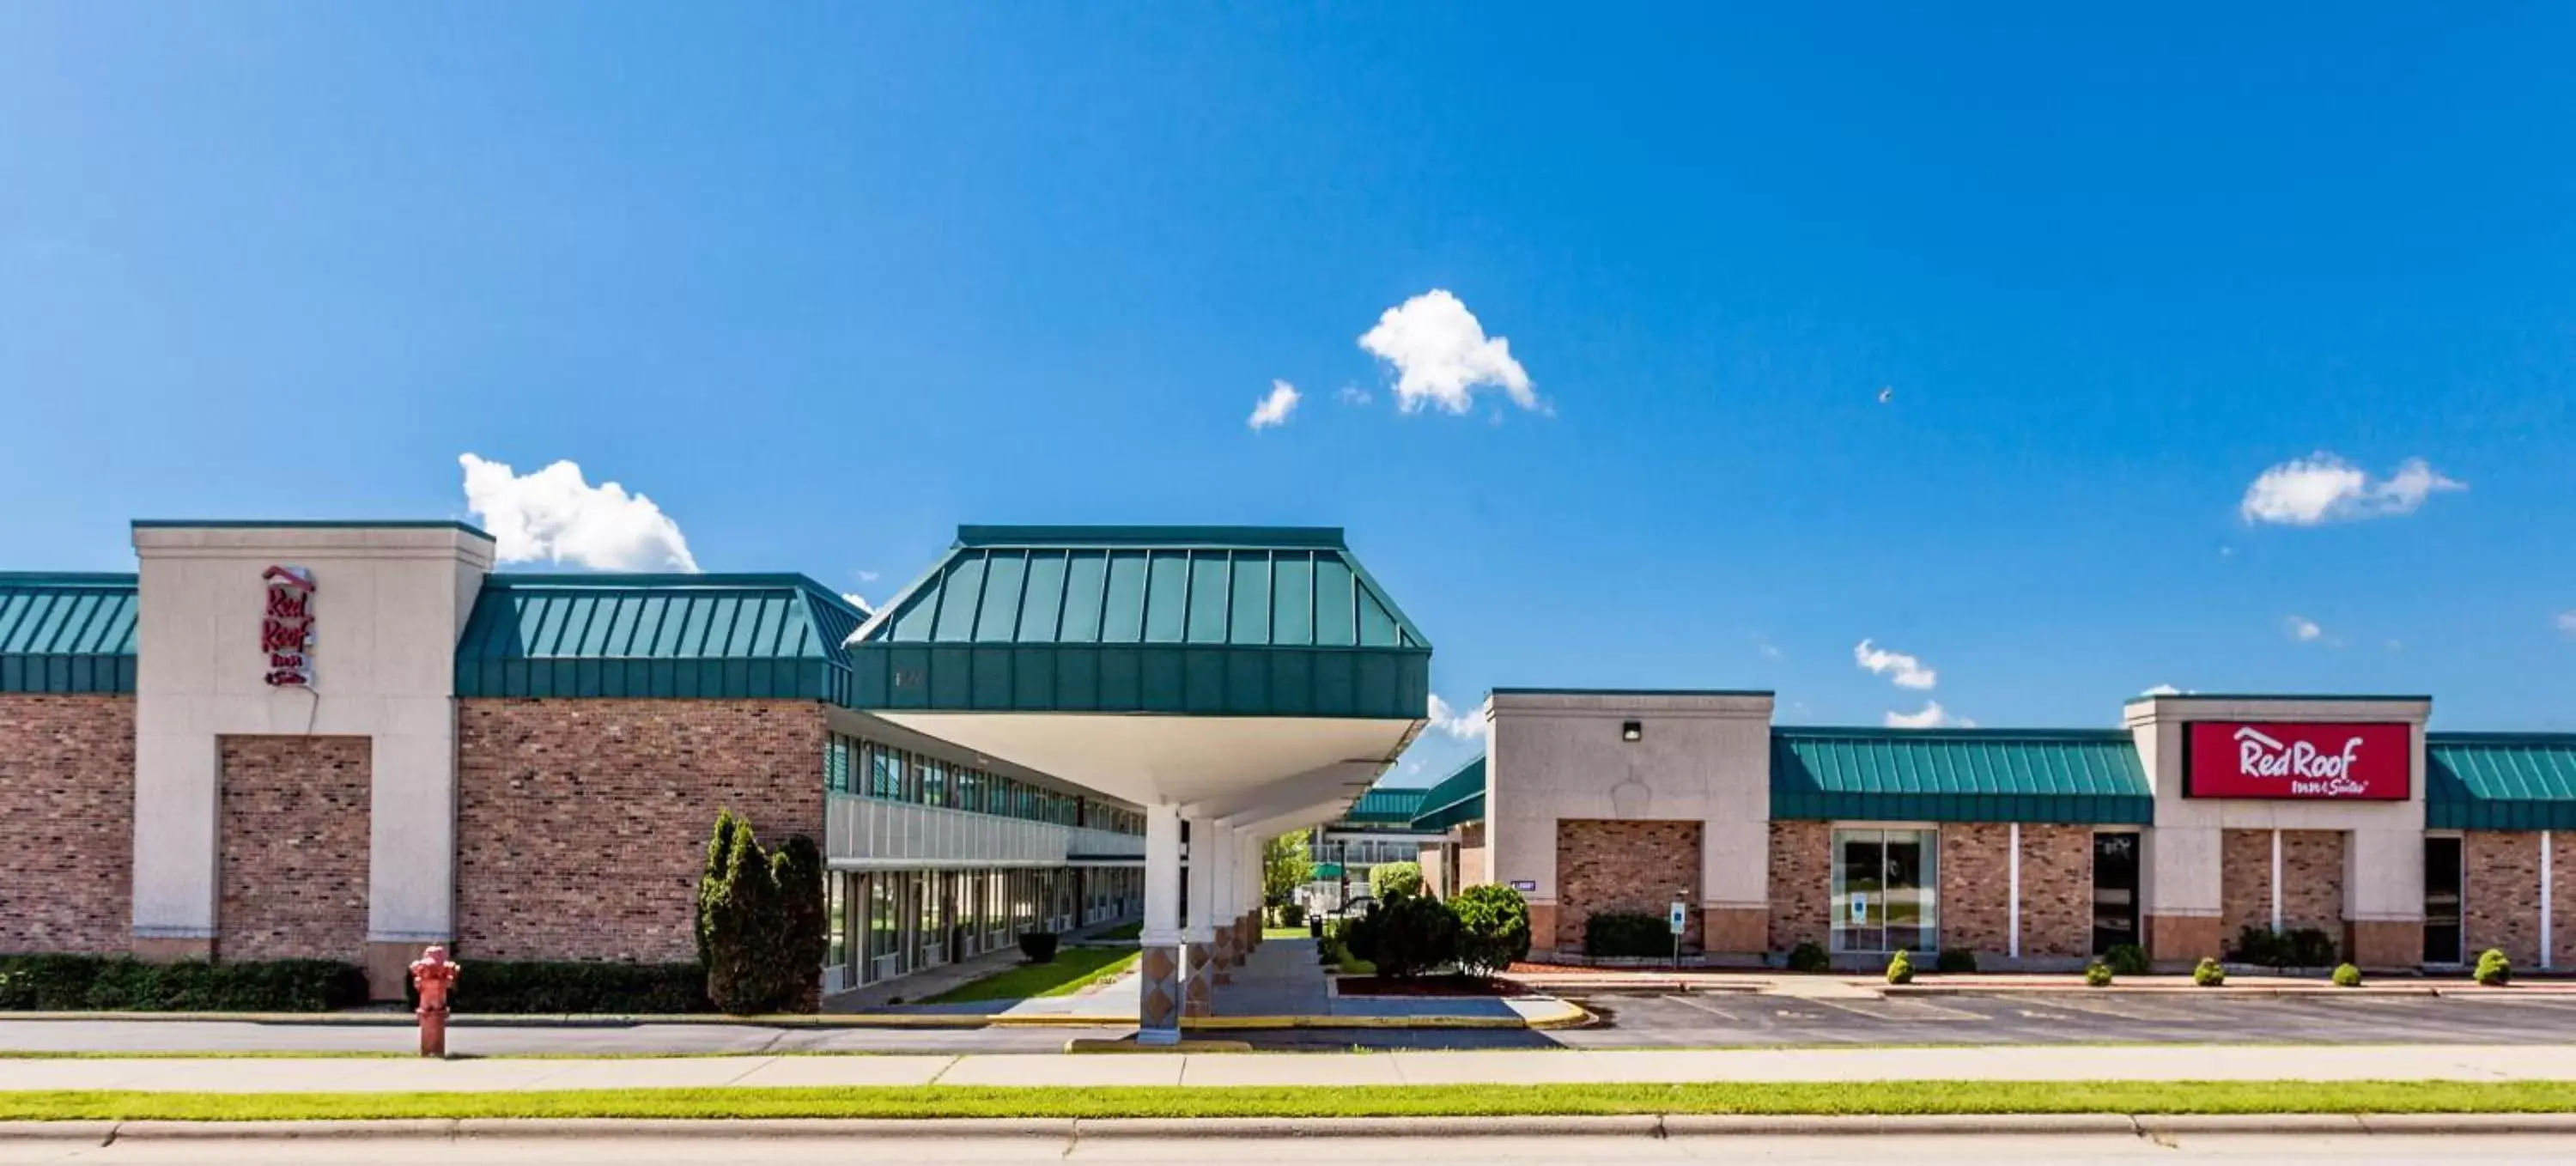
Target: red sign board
[2291, 760]
[286, 627]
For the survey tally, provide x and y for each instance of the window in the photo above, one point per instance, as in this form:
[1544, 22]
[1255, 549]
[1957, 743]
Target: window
[2442, 901]
[1886, 890]
[837, 951]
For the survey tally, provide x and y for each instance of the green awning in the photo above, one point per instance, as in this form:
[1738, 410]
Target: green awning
[645, 635]
[67, 633]
[1458, 799]
[2500, 781]
[1216, 621]
[1959, 775]
[1384, 807]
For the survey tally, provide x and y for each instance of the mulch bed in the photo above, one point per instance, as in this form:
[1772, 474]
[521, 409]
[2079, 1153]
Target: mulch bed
[1429, 986]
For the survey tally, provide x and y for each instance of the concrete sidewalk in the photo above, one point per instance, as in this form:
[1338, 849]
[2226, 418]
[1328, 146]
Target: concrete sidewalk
[1317, 1070]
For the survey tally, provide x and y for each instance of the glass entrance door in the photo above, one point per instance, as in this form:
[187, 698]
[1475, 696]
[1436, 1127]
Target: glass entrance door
[1886, 895]
[2442, 901]
[2115, 891]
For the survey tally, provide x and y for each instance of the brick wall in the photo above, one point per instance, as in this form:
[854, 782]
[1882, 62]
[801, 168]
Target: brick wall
[582, 824]
[2312, 880]
[2056, 890]
[2500, 894]
[1976, 887]
[1632, 866]
[294, 841]
[2562, 926]
[1802, 876]
[67, 795]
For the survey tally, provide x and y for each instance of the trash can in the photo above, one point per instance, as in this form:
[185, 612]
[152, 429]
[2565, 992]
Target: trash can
[1314, 927]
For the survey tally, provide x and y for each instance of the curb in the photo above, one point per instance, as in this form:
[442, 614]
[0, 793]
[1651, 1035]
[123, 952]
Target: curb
[1073, 1129]
[1574, 1016]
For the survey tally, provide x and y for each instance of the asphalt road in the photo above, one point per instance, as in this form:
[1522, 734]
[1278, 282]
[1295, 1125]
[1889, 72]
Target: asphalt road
[1633, 1021]
[1914, 1150]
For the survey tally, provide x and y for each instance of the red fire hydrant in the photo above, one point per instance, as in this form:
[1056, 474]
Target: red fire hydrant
[432, 975]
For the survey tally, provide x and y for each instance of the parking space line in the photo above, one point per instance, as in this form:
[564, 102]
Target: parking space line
[1720, 1013]
[1897, 1010]
[2134, 1010]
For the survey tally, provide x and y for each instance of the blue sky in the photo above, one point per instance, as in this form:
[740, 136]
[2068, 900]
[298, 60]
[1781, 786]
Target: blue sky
[824, 281]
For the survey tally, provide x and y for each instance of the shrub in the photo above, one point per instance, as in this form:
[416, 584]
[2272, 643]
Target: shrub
[760, 920]
[2312, 948]
[86, 983]
[2097, 975]
[1955, 959]
[1493, 928]
[1900, 969]
[2208, 974]
[2127, 959]
[2347, 976]
[1038, 946]
[1415, 934]
[574, 987]
[1292, 915]
[1329, 952]
[2305, 947]
[2494, 970]
[1356, 936]
[1810, 957]
[1627, 933]
[1388, 879]
[2261, 945]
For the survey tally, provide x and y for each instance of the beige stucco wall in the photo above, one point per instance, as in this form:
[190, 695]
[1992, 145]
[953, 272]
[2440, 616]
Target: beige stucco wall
[2383, 856]
[388, 605]
[1703, 757]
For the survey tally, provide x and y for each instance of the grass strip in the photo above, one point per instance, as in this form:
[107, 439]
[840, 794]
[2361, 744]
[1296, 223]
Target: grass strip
[1777, 1099]
[1072, 970]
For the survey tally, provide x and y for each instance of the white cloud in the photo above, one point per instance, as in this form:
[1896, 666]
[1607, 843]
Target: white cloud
[1441, 355]
[2323, 488]
[2566, 622]
[1465, 726]
[860, 602]
[2162, 690]
[867, 576]
[1769, 650]
[555, 516]
[1275, 408]
[2303, 629]
[1933, 716]
[1353, 395]
[1908, 671]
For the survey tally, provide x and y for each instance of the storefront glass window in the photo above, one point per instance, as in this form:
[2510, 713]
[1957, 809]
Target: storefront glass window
[1886, 890]
[2442, 901]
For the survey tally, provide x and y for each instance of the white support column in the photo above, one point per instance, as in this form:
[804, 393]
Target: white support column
[1159, 998]
[1198, 929]
[2012, 934]
[2546, 898]
[2276, 882]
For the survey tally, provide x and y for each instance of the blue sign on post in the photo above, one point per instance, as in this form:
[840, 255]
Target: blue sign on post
[1678, 917]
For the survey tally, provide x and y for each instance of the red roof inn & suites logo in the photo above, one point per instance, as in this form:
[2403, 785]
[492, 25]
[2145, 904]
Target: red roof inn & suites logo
[2273, 759]
[286, 630]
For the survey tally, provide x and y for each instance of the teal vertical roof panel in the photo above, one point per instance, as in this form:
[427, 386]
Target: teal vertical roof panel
[2500, 781]
[656, 636]
[1221, 621]
[1455, 800]
[67, 633]
[1959, 775]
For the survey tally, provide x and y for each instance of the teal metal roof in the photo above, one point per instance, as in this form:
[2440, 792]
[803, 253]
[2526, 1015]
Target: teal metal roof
[2500, 781]
[1385, 807]
[1457, 799]
[640, 635]
[1224, 621]
[1959, 775]
[66, 633]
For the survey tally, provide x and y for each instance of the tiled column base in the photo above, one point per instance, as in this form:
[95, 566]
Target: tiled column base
[1221, 955]
[1199, 992]
[1159, 996]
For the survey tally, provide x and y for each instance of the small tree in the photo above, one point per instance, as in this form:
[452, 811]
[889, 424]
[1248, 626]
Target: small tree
[1389, 879]
[711, 878]
[760, 920]
[1414, 934]
[1493, 929]
[1286, 865]
[802, 942]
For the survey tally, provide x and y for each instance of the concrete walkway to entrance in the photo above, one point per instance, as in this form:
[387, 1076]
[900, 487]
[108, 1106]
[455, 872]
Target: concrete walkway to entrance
[1317, 1070]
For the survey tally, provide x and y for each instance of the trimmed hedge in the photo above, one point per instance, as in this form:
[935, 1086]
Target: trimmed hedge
[574, 987]
[1627, 933]
[1493, 929]
[89, 983]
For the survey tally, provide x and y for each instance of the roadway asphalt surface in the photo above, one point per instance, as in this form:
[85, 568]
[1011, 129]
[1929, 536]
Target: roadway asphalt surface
[1633, 1021]
[1914, 1150]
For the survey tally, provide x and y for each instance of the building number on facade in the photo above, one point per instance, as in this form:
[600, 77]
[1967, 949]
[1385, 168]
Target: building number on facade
[286, 627]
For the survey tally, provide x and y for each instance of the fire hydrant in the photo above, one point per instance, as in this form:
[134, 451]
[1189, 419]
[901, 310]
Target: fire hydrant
[432, 975]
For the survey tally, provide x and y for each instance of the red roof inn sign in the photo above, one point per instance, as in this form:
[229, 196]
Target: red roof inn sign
[2288, 760]
[286, 627]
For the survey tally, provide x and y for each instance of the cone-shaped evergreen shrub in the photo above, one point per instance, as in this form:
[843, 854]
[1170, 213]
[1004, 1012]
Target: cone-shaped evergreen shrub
[1900, 969]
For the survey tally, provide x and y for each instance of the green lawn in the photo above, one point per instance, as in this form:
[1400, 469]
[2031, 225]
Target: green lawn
[1805, 1098]
[1073, 969]
[1283, 933]
[1122, 931]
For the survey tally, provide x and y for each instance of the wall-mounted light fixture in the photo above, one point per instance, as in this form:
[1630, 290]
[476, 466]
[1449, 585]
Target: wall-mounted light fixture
[1632, 730]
